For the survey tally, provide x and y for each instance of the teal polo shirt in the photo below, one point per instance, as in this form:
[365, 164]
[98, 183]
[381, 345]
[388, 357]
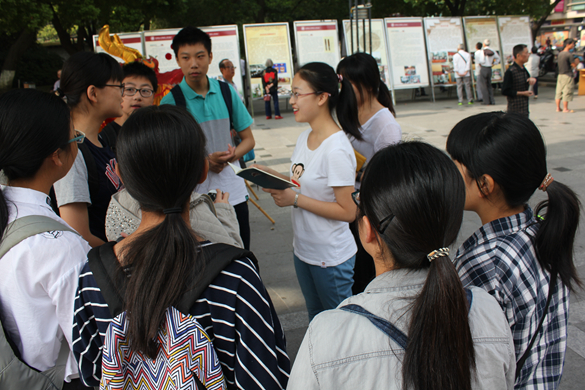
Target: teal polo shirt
[212, 115]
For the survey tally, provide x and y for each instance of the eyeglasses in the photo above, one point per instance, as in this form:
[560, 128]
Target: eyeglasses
[296, 95]
[121, 86]
[79, 137]
[356, 198]
[144, 92]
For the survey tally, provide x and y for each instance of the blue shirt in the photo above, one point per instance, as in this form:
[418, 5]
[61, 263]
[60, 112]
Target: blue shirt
[500, 257]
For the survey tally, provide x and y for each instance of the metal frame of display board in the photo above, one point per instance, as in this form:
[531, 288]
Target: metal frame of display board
[313, 22]
[429, 56]
[473, 81]
[248, 73]
[389, 51]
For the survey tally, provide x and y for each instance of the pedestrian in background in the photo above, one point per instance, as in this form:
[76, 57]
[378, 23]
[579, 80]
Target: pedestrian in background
[462, 68]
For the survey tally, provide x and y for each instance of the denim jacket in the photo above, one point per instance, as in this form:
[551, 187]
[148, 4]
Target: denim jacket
[345, 350]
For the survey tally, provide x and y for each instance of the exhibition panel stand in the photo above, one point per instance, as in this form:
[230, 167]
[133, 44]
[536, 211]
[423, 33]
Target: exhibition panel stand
[317, 41]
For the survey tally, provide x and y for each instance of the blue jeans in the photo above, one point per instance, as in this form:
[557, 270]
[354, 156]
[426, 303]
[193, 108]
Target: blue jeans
[276, 106]
[324, 288]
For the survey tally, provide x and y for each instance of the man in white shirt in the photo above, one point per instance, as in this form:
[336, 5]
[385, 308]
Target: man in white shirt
[228, 71]
[490, 58]
[478, 59]
[462, 68]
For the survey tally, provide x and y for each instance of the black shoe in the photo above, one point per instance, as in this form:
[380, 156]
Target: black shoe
[479, 100]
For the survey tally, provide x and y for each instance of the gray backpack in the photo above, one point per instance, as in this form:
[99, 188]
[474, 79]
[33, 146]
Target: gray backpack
[14, 372]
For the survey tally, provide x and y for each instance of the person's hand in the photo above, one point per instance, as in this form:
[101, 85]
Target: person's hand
[222, 197]
[526, 93]
[214, 166]
[282, 198]
[219, 160]
[531, 81]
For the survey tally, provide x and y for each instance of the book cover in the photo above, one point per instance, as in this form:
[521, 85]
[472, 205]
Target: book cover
[262, 178]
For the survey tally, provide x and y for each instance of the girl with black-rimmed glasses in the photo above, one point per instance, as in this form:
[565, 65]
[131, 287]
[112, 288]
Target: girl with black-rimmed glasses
[91, 84]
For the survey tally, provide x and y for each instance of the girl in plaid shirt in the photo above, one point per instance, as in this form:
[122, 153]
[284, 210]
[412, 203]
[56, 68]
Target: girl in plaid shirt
[518, 255]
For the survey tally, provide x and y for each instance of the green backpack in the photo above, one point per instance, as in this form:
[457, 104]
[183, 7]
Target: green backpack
[14, 372]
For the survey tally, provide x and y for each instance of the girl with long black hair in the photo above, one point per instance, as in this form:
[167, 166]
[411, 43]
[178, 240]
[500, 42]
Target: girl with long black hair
[410, 209]
[524, 258]
[161, 152]
[323, 164]
[378, 128]
[38, 275]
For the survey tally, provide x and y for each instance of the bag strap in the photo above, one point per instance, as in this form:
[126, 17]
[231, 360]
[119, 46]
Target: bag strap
[227, 98]
[93, 179]
[104, 265]
[179, 97]
[28, 226]
[386, 326]
[520, 364]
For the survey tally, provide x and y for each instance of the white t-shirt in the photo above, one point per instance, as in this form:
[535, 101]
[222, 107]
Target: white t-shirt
[317, 240]
[38, 282]
[533, 64]
[461, 63]
[478, 57]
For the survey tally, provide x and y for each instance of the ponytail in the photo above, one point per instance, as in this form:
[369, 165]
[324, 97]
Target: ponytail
[439, 328]
[347, 110]
[161, 156]
[385, 98]
[556, 236]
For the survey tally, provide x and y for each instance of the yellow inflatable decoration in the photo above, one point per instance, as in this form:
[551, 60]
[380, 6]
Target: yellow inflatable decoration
[114, 46]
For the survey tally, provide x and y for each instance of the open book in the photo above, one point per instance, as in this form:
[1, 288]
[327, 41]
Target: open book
[262, 178]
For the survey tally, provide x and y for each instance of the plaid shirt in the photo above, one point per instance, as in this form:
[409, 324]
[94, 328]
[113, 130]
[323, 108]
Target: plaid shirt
[500, 257]
[516, 80]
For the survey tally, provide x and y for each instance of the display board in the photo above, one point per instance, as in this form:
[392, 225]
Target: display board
[557, 38]
[268, 41]
[407, 61]
[132, 40]
[443, 37]
[379, 45]
[157, 44]
[514, 30]
[478, 29]
[317, 41]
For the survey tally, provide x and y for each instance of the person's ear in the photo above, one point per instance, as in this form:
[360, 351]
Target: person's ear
[204, 173]
[367, 233]
[57, 157]
[210, 57]
[91, 93]
[486, 185]
[323, 97]
[117, 170]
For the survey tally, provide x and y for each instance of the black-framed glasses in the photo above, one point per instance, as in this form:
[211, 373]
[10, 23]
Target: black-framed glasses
[383, 223]
[121, 86]
[144, 92]
[79, 137]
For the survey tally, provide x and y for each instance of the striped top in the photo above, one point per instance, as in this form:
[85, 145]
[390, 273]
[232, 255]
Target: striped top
[235, 311]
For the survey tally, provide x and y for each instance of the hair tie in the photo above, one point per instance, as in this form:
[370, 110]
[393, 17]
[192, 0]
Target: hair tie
[438, 253]
[173, 210]
[59, 92]
[546, 182]
[340, 78]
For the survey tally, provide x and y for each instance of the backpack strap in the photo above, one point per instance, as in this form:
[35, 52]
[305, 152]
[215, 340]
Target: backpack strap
[93, 178]
[179, 96]
[386, 326]
[227, 98]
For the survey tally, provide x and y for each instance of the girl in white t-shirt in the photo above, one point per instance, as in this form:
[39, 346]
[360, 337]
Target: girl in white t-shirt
[378, 129]
[324, 165]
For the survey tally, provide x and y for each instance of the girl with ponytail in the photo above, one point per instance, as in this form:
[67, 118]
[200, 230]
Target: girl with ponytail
[323, 165]
[410, 209]
[162, 158]
[524, 258]
[378, 130]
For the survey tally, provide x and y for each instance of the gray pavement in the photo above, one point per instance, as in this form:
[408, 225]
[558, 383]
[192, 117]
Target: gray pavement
[430, 122]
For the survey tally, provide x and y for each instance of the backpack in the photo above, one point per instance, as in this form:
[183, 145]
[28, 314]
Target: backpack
[14, 372]
[180, 101]
[186, 356]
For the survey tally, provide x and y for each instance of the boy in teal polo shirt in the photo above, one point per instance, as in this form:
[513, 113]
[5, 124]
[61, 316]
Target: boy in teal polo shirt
[205, 102]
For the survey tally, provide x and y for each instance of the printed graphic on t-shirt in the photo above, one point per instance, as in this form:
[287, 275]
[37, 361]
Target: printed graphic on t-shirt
[111, 174]
[54, 234]
[297, 171]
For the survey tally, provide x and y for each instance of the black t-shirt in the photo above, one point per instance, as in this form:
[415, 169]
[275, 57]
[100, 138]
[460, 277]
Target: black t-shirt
[109, 184]
[109, 135]
[564, 60]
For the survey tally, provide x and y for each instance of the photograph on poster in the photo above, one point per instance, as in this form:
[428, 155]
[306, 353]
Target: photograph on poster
[378, 49]
[478, 29]
[268, 41]
[158, 45]
[514, 30]
[316, 41]
[443, 37]
[408, 59]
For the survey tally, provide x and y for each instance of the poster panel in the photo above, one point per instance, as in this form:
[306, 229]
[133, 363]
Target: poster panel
[406, 43]
[379, 46]
[478, 29]
[268, 41]
[132, 40]
[317, 41]
[443, 36]
[157, 44]
[514, 30]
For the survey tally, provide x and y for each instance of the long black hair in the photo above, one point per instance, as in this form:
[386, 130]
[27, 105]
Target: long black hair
[413, 195]
[84, 69]
[510, 149]
[33, 125]
[323, 78]
[161, 152]
[361, 69]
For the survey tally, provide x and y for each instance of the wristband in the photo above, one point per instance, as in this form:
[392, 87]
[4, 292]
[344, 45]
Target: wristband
[295, 205]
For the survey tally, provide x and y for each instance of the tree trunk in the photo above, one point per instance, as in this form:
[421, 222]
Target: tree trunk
[64, 36]
[537, 24]
[25, 40]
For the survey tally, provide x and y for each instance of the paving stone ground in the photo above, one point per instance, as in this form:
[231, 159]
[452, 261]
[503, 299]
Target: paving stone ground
[431, 122]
